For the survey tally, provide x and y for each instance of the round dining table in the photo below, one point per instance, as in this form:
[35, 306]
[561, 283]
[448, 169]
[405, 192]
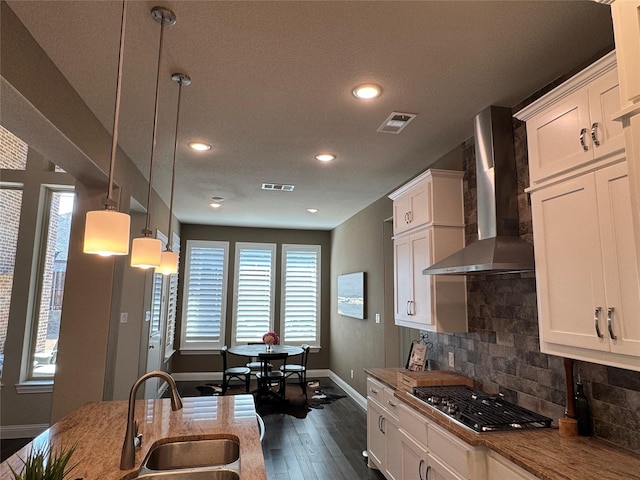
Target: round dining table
[255, 349]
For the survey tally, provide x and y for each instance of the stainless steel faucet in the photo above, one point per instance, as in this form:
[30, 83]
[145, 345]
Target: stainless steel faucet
[127, 460]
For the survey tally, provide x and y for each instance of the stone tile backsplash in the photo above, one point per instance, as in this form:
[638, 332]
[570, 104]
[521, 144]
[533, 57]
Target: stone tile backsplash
[502, 352]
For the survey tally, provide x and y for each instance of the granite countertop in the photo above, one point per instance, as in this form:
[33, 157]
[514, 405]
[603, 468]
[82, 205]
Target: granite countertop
[97, 429]
[543, 452]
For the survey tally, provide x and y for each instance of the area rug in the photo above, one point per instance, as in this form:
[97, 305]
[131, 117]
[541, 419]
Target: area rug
[296, 405]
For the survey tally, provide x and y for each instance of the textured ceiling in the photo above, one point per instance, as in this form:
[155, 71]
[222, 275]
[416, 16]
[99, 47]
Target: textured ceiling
[272, 87]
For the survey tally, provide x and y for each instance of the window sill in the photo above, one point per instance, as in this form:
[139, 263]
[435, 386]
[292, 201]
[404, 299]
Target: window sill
[35, 386]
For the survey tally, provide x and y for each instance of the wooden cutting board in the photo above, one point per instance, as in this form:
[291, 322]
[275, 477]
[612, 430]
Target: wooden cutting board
[408, 379]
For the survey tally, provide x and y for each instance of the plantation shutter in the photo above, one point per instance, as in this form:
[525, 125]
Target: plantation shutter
[172, 307]
[301, 294]
[254, 291]
[204, 296]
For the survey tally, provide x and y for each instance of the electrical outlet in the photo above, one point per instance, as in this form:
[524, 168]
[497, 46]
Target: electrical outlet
[451, 360]
[352, 373]
[377, 318]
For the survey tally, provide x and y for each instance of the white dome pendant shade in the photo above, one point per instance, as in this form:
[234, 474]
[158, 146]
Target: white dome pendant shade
[106, 233]
[146, 252]
[168, 263]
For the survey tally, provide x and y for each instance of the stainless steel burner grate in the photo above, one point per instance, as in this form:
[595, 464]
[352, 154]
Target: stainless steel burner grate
[479, 411]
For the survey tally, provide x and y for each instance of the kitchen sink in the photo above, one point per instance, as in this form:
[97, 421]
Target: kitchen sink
[216, 474]
[193, 454]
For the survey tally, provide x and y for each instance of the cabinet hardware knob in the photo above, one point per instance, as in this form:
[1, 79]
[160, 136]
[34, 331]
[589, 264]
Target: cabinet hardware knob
[610, 323]
[582, 143]
[594, 134]
[596, 321]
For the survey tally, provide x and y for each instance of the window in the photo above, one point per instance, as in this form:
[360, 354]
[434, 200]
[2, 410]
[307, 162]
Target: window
[254, 291]
[172, 304]
[51, 267]
[204, 295]
[300, 318]
[10, 204]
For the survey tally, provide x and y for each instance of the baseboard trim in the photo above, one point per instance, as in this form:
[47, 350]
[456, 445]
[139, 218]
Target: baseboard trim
[22, 431]
[349, 390]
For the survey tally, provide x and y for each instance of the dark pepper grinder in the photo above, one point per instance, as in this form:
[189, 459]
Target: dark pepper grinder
[583, 416]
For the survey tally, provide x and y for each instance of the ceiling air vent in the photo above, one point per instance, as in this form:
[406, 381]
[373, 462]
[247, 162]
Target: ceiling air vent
[278, 187]
[396, 122]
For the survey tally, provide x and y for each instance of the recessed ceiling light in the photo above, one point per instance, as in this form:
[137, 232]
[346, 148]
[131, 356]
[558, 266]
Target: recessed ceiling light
[312, 210]
[367, 91]
[201, 147]
[325, 157]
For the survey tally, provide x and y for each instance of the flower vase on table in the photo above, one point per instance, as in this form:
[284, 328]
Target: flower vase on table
[270, 339]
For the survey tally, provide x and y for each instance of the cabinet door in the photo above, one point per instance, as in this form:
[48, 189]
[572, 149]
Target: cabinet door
[421, 308]
[554, 137]
[413, 208]
[393, 465]
[414, 459]
[606, 134]
[619, 259]
[402, 278]
[568, 264]
[626, 26]
[376, 441]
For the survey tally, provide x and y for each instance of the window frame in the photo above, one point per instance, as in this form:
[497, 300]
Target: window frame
[203, 346]
[239, 247]
[39, 265]
[283, 292]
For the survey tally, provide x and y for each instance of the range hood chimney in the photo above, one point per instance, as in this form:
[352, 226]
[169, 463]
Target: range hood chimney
[499, 248]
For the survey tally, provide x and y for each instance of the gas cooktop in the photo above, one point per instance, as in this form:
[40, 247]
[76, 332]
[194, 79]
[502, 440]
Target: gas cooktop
[479, 411]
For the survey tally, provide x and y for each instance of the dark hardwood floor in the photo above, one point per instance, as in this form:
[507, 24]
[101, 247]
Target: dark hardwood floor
[326, 444]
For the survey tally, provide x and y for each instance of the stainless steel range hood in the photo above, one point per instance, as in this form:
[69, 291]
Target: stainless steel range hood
[499, 248]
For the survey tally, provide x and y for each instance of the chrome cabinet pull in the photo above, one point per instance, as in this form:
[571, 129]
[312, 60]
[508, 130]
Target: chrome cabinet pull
[582, 134]
[596, 320]
[391, 403]
[594, 134]
[428, 476]
[408, 307]
[610, 323]
[382, 422]
[420, 469]
[410, 216]
[373, 390]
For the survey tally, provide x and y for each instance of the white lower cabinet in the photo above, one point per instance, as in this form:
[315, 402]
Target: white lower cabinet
[383, 434]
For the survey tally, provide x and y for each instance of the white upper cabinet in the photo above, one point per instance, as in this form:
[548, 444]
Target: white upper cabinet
[432, 198]
[626, 26]
[428, 225]
[589, 291]
[572, 126]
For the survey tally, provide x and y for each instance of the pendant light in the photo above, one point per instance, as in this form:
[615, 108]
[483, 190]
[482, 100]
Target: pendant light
[106, 232]
[169, 259]
[146, 251]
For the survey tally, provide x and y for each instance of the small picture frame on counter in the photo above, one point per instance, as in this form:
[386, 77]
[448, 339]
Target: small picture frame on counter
[417, 357]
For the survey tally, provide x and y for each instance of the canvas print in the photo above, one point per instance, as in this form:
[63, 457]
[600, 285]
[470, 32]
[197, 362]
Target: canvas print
[351, 295]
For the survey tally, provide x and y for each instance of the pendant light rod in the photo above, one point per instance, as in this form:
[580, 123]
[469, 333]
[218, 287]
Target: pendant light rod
[182, 79]
[164, 17]
[109, 202]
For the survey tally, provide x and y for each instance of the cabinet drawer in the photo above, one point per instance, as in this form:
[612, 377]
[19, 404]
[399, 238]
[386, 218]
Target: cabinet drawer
[451, 451]
[500, 467]
[391, 403]
[414, 424]
[375, 390]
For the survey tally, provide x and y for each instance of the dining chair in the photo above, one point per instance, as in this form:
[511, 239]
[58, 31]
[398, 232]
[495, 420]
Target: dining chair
[241, 373]
[299, 369]
[254, 364]
[268, 377]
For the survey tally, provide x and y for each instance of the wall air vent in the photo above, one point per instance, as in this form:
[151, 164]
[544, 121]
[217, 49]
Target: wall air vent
[396, 122]
[278, 187]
